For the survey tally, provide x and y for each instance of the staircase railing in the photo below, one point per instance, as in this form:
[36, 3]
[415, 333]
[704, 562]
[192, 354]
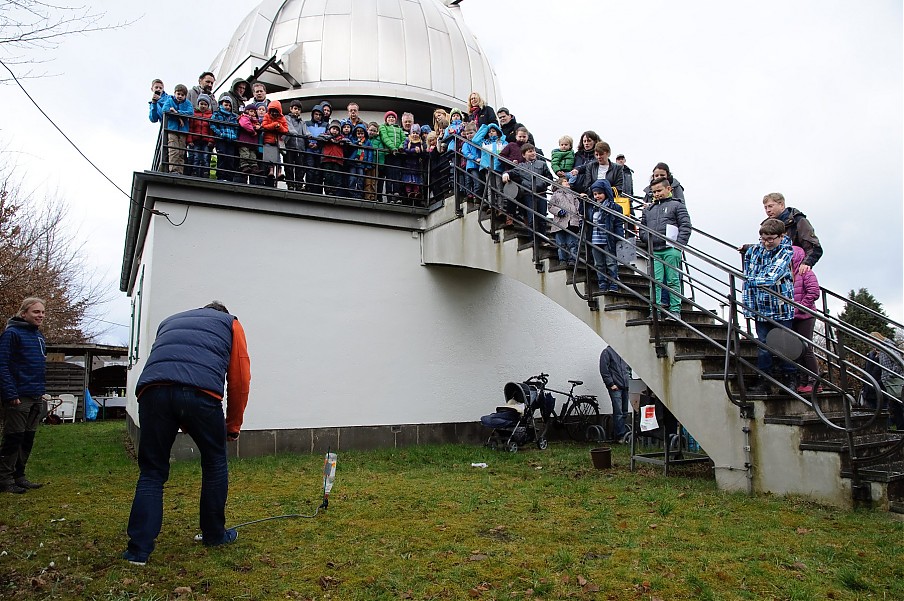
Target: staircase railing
[715, 281]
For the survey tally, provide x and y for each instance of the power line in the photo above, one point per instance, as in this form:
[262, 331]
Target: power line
[62, 133]
[84, 156]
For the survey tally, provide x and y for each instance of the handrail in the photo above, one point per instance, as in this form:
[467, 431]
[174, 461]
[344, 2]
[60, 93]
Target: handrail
[724, 282]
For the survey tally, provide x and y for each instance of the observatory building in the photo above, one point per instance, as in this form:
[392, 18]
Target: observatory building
[356, 339]
[417, 53]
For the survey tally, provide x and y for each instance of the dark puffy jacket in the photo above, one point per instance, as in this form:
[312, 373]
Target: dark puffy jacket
[583, 157]
[485, 116]
[23, 354]
[523, 173]
[613, 369]
[666, 212]
[511, 128]
[192, 349]
[799, 229]
[237, 101]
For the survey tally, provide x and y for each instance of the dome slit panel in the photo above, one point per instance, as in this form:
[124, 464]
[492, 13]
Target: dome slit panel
[313, 8]
[433, 15]
[389, 8]
[364, 57]
[334, 60]
[441, 70]
[311, 53]
[411, 50]
[338, 7]
[478, 80]
[417, 62]
[290, 11]
[391, 50]
[310, 29]
[460, 66]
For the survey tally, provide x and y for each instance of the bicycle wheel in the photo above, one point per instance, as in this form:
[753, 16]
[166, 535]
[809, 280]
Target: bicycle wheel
[579, 417]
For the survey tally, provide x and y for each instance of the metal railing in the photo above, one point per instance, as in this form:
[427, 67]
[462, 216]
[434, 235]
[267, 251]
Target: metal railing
[716, 288]
[381, 175]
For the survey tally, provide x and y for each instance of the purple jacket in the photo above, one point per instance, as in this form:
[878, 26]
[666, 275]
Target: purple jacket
[806, 286]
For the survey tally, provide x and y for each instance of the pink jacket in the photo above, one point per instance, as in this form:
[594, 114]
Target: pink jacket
[806, 286]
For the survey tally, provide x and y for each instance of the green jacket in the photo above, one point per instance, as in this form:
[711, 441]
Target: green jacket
[392, 136]
[377, 143]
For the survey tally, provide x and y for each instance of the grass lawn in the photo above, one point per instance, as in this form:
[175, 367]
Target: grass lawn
[421, 523]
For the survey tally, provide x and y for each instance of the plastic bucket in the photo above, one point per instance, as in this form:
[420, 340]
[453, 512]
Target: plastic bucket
[601, 457]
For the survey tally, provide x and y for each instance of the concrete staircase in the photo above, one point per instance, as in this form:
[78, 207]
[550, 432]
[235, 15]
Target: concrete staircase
[781, 446]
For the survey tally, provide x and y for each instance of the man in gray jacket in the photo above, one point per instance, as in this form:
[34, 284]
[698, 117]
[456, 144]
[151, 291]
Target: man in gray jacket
[617, 377]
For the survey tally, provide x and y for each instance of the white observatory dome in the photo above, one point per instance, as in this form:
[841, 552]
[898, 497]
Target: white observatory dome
[416, 50]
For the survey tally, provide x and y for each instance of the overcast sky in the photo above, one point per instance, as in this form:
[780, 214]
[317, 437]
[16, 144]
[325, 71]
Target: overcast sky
[741, 99]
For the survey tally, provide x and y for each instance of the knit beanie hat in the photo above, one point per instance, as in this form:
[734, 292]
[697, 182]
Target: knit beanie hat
[205, 98]
[335, 123]
[426, 129]
[388, 113]
[225, 97]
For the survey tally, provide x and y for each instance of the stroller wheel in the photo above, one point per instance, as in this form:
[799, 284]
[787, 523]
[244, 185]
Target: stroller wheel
[512, 447]
[542, 443]
[493, 445]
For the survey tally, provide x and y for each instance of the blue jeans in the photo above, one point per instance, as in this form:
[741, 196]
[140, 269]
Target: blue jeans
[607, 265]
[356, 180]
[199, 159]
[568, 245]
[619, 400]
[162, 410]
[764, 357]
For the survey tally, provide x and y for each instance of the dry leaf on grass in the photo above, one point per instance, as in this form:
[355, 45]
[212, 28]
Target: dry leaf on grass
[327, 582]
[581, 580]
[182, 590]
[477, 557]
[590, 588]
[804, 530]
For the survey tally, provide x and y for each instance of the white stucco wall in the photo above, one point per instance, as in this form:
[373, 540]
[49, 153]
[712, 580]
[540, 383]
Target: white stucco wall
[345, 325]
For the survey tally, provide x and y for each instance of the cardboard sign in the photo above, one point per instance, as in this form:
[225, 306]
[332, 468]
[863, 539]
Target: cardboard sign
[648, 418]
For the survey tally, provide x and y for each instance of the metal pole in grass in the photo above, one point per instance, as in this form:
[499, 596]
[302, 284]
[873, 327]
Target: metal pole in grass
[329, 477]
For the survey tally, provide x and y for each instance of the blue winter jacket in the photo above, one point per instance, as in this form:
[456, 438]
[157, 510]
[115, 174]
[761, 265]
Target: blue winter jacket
[156, 108]
[184, 108]
[22, 361]
[224, 124]
[489, 145]
[604, 222]
[192, 348]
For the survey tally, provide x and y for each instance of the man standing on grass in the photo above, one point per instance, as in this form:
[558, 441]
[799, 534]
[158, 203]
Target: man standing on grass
[23, 353]
[181, 386]
[617, 376]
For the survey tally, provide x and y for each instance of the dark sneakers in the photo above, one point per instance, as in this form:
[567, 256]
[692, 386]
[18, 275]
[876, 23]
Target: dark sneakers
[134, 559]
[13, 488]
[228, 538]
[25, 483]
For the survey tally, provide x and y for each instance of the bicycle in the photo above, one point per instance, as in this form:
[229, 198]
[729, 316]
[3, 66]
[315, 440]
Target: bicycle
[579, 412]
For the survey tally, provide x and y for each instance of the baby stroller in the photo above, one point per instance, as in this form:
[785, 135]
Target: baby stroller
[513, 424]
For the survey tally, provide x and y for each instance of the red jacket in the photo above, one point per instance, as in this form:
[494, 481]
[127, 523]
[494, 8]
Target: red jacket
[333, 151]
[274, 128]
[200, 130]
